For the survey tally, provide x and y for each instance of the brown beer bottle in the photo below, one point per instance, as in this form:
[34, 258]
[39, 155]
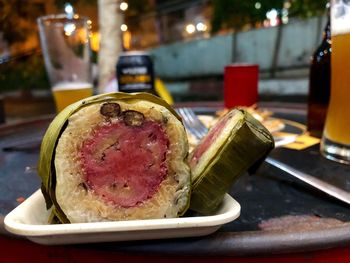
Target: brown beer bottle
[319, 84]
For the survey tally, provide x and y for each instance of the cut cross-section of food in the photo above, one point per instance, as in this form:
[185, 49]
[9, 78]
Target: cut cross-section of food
[115, 157]
[233, 145]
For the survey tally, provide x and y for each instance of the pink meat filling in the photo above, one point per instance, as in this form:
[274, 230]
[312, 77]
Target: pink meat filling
[125, 164]
[208, 141]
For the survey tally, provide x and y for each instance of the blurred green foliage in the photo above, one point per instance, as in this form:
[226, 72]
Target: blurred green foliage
[61, 3]
[11, 12]
[27, 73]
[307, 8]
[234, 14]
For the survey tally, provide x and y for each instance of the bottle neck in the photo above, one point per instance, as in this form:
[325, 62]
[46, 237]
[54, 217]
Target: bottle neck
[327, 31]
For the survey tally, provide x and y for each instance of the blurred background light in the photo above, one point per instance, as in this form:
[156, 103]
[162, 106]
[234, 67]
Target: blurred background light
[285, 14]
[69, 29]
[287, 4]
[123, 6]
[68, 8]
[124, 27]
[201, 26]
[190, 28]
[272, 14]
[95, 41]
[127, 40]
[257, 5]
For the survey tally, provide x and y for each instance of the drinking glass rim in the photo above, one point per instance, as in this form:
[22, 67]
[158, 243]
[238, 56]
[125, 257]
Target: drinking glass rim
[58, 17]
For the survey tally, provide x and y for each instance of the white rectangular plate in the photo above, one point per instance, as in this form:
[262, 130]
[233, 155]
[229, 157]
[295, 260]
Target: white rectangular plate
[30, 218]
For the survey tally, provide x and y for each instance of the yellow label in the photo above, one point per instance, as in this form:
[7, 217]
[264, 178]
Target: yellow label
[302, 142]
[127, 79]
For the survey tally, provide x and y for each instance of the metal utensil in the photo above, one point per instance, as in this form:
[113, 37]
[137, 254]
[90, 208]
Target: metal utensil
[194, 125]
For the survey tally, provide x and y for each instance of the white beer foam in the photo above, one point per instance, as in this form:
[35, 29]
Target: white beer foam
[340, 17]
[71, 85]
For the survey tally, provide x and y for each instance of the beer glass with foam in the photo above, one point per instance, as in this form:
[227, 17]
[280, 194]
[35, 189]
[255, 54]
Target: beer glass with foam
[335, 144]
[65, 43]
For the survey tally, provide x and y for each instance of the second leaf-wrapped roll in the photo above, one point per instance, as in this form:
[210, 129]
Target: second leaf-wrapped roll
[233, 145]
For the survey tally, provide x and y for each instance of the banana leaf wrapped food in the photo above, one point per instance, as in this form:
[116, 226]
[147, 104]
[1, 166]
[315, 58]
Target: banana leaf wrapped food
[115, 157]
[235, 144]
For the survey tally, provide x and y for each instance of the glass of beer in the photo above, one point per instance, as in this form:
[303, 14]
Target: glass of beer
[65, 43]
[335, 144]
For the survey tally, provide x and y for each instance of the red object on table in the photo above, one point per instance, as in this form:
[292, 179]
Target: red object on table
[19, 250]
[241, 85]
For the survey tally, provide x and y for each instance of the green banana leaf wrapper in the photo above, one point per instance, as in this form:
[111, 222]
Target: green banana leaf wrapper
[247, 145]
[46, 168]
